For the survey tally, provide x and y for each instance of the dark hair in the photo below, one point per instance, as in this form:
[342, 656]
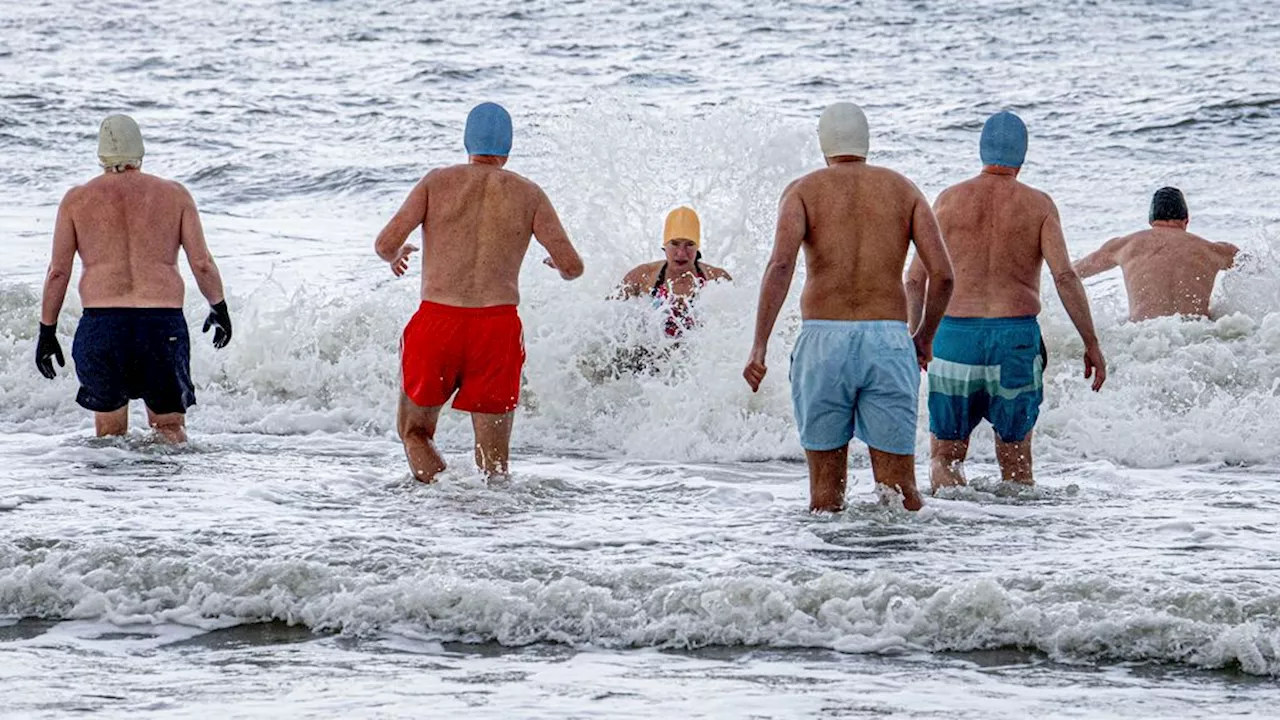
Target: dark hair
[1168, 204]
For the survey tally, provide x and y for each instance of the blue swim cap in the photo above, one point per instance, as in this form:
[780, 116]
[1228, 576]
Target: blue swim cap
[1004, 140]
[488, 130]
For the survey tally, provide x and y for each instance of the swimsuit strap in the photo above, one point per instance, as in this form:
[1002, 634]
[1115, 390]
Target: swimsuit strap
[660, 283]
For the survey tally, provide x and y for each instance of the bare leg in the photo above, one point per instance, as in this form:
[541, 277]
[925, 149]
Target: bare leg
[115, 422]
[1015, 460]
[897, 472]
[828, 473]
[493, 441]
[417, 426]
[946, 469]
[171, 427]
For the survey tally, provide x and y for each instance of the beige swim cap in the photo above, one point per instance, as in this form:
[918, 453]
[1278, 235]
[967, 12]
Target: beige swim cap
[682, 224]
[842, 130]
[119, 143]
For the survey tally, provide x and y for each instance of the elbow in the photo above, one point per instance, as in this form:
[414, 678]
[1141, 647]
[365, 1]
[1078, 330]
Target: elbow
[204, 268]
[573, 271]
[386, 247]
[1066, 277]
[57, 275]
[778, 271]
[945, 283]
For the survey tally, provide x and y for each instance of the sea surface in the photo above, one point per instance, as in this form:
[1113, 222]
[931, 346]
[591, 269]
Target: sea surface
[651, 555]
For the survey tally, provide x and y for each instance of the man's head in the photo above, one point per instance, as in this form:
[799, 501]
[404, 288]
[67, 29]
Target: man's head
[843, 132]
[1170, 207]
[119, 144]
[488, 132]
[682, 237]
[1004, 141]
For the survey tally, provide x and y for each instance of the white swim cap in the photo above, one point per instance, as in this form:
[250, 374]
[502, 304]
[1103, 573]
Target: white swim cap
[119, 143]
[842, 130]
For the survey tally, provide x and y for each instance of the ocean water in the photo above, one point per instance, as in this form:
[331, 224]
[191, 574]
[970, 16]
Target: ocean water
[651, 555]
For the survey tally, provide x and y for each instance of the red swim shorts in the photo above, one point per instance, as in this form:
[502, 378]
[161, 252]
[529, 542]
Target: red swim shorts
[476, 352]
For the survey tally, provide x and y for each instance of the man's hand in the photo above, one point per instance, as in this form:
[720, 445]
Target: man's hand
[1095, 366]
[400, 265]
[48, 348]
[219, 318]
[755, 371]
[924, 350]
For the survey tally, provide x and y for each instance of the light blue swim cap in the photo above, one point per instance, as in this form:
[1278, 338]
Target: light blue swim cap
[1004, 140]
[488, 130]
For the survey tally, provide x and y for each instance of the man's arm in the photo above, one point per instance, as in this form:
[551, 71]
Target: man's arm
[208, 279]
[205, 270]
[63, 257]
[1102, 259]
[550, 234]
[1053, 246]
[916, 284]
[792, 226]
[390, 243]
[932, 255]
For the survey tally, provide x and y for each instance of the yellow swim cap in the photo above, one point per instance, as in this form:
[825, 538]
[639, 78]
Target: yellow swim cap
[682, 224]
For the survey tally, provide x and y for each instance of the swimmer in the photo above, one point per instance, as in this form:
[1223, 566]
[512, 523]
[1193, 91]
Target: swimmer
[466, 342]
[1167, 270]
[855, 370]
[132, 342]
[672, 283]
[988, 355]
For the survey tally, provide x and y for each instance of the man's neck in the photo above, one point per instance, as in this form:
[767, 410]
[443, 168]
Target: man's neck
[1170, 224]
[1000, 170]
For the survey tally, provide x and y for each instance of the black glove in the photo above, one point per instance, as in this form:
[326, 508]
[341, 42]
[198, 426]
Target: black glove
[47, 349]
[220, 319]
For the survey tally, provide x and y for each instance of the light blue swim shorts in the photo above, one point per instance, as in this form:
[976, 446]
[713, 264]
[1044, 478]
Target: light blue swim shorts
[856, 377]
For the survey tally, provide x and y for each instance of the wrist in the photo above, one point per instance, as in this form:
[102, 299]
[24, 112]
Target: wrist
[47, 329]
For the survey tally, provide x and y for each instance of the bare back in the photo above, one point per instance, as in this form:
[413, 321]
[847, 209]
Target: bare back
[992, 226]
[476, 231]
[859, 228]
[128, 229]
[1170, 272]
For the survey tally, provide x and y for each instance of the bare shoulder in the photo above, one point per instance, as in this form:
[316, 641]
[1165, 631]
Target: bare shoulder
[1225, 249]
[448, 173]
[177, 189]
[640, 272]
[75, 195]
[948, 193]
[717, 274]
[1038, 197]
[884, 174]
[797, 186]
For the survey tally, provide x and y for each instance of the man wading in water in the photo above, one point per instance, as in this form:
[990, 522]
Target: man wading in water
[466, 338]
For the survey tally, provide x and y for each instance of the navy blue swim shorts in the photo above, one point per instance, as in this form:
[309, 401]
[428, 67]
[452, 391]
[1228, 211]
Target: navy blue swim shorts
[123, 354]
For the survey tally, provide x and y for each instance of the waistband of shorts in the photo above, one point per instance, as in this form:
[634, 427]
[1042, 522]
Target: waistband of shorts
[990, 322]
[470, 312]
[854, 325]
[132, 312]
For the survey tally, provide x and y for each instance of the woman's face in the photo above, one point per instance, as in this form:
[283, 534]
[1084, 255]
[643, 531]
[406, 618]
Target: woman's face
[680, 252]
